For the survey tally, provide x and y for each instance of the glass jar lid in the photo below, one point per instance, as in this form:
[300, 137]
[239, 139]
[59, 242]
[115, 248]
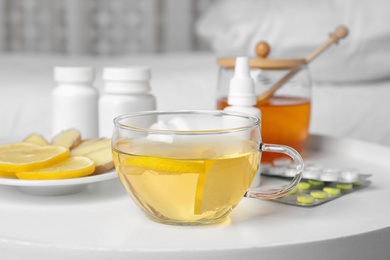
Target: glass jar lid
[261, 62]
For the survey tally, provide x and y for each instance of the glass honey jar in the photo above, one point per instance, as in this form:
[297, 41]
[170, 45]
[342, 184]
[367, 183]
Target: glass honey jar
[286, 112]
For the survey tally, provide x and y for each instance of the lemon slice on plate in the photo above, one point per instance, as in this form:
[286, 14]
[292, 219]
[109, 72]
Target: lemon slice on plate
[17, 146]
[7, 175]
[73, 167]
[32, 158]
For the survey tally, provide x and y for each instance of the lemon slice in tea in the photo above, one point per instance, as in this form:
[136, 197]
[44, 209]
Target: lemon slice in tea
[225, 183]
[73, 167]
[165, 164]
[34, 158]
[168, 186]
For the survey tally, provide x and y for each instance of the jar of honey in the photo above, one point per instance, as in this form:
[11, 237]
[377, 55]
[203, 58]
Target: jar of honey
[286, 113]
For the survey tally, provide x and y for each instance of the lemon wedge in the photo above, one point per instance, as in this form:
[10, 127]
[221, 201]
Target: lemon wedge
[166, 164]
[32, 158]
[73, 167]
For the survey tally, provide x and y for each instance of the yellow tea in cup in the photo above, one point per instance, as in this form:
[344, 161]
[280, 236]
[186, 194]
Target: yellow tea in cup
[192, 167]
[187, 182]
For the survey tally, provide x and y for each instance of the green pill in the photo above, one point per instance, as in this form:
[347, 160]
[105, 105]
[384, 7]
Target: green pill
[303, 186]
[357, 184]
[318, 194]
[344, 186]
[332, 191]
[315, 183]
[293, 191]
[305, 199]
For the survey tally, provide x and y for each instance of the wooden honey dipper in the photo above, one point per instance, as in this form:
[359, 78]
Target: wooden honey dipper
[262, 49]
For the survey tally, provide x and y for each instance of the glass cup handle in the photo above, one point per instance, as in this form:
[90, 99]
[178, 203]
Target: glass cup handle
[298, 162]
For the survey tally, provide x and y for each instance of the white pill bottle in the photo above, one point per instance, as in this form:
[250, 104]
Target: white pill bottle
[126, 90]
[75, 101]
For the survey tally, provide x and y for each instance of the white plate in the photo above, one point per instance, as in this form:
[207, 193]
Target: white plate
[56, 187]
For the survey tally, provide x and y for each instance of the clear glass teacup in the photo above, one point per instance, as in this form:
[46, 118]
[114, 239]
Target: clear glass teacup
[192, 167]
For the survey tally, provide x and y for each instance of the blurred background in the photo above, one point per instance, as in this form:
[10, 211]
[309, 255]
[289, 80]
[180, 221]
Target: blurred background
[100, 27]
[181, 40]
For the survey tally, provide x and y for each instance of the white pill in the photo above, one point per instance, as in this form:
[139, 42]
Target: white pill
[350, 175]
[313, 167]
[334, 170]
[278, 170]
[290, 171]
[265, 168]
[330, 174]
[311, 174]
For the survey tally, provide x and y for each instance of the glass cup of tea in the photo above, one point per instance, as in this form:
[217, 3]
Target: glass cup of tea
[286, 114]
[192, 167]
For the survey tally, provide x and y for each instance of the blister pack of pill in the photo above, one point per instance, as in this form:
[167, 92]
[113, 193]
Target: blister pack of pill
[319, 184]
[312, 193]
[285, 169]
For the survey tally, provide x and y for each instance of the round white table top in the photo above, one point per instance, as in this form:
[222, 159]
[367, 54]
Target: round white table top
[102, 222]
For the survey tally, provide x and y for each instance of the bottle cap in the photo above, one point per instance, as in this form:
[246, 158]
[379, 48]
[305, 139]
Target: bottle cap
[126, 74]
[242, 89]
[74, 74]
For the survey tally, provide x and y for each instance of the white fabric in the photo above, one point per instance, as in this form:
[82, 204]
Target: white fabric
[183, 81]
[296, 28]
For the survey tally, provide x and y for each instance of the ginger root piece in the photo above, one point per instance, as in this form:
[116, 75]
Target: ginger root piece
[35, 138]
[87, 142]
[69, 138]
[102, 159]
[91, 146]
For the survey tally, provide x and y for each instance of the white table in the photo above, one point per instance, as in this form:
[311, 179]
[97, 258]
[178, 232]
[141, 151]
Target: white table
[103, 222]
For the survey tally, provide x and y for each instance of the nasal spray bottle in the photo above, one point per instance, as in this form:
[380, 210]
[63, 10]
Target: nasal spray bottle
[241, 99]
[242, 96]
